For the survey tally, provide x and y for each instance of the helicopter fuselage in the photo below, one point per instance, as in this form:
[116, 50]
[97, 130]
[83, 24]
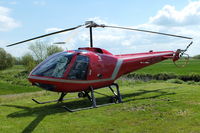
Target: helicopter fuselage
[77, 70]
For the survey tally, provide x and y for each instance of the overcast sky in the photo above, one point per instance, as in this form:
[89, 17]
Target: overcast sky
[24, 19]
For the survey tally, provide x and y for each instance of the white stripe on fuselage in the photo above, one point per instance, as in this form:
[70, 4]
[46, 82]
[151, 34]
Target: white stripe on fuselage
[143, 56]
[114, 74]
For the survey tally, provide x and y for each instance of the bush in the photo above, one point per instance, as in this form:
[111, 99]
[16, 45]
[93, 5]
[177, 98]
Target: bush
[30, 66]
[191, 77]
[6, 60]
[163, 76]
[28, 62]
[176, 81]
[197, 57]
[191, 83]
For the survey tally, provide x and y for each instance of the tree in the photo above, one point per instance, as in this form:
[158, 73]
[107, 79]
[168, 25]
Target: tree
[6, 60]
[39, 50]
[17, 61]
[28, 61]
[27, 58]
[42, 49]
[52, 49]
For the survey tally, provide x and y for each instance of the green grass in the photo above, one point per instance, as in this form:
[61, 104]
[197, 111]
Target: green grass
[14, 80]
[168, 67]
[148, 107]
[15, 75]
[6, 88]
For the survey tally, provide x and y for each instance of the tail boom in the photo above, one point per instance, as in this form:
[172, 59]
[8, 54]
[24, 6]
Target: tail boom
[133, 62]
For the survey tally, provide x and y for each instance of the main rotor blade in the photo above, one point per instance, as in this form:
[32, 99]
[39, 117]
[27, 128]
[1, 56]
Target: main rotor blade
[148, 31]
[49, 34]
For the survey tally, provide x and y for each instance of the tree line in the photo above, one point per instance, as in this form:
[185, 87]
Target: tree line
[39, 51]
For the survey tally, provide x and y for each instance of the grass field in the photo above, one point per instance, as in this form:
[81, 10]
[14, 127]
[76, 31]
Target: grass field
[168, 66]
[14, 80]
[147, 107]
[155, 106]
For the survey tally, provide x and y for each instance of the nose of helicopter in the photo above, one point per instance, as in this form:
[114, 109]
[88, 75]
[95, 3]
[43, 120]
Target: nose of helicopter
[48, 87]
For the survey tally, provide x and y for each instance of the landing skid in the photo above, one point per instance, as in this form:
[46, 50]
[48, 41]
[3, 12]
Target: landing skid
[86, 108]
[61, 99]
[115, 99]
[38, 102]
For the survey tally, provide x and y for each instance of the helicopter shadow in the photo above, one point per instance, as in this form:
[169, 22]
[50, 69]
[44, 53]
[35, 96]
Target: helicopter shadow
[160, 92]
[46, 110]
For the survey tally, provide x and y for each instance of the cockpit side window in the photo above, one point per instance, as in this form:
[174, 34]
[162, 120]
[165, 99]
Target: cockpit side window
[80, 68]
[54, 66]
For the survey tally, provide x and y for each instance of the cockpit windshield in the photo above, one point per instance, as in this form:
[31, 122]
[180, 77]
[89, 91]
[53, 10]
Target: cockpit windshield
[54, 66]
[79, 69]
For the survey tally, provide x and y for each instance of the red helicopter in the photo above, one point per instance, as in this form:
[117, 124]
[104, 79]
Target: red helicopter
[90, 68]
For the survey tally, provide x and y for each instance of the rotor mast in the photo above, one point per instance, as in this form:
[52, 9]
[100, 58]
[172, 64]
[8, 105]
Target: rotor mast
[91, 40]
[90, 25]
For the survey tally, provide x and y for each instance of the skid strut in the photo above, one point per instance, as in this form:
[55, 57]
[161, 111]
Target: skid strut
[118, 93]
[94, 104]
[116, 99]
[91, 98]
[117, 96]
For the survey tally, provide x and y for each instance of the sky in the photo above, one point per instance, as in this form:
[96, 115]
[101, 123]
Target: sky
[24, 19]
